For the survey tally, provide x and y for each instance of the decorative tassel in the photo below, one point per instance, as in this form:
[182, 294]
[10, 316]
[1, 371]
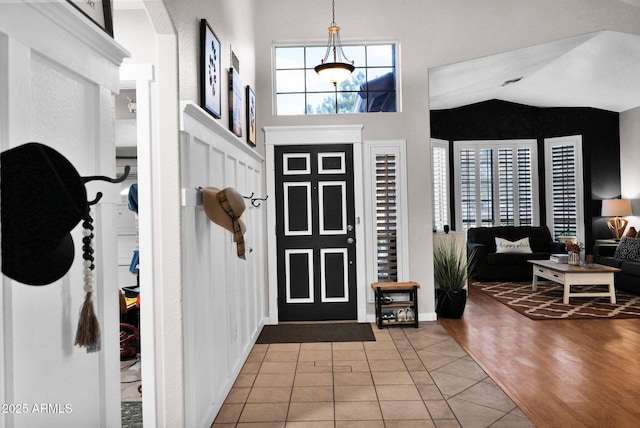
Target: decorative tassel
[88, 333]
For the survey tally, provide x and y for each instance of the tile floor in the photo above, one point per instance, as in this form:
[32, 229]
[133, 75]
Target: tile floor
[407, 378]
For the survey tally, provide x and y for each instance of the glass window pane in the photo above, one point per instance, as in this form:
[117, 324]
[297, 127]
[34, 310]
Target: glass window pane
[290, 104]
[321, 103]
[381, 101]
[317, 84]
[290, 81]
[347, 101]
[389, 82]
[355, 54]
[380, 56]
[314, 55]
[354, 81]
[289, 58]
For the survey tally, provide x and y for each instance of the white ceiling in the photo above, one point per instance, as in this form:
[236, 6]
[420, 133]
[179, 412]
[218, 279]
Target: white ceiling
[600, 70]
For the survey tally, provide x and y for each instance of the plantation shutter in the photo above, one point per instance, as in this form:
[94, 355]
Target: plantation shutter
[506, 190]
[515, 187]
[496, 183]
[563, 171]
[386, 217]
[468, 188]
[524, 195]
[440, 166]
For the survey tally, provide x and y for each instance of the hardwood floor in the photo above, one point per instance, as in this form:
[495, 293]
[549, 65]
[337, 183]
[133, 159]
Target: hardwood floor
[582, 373]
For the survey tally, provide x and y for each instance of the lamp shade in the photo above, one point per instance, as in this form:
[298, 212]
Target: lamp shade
[616, 207]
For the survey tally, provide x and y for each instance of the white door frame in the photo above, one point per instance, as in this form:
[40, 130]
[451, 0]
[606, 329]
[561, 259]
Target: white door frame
[315, 135]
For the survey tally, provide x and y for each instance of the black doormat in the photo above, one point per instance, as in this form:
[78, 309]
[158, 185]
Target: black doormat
[317, 332]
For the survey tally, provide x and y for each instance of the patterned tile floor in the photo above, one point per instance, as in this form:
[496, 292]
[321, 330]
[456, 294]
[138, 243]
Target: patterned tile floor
[407, 378]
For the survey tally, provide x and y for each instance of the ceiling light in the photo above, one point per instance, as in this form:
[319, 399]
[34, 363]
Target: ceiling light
[340, 68]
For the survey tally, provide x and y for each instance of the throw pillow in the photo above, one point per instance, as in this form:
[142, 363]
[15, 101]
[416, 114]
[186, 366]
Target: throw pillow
[628, 249]
[519, 246]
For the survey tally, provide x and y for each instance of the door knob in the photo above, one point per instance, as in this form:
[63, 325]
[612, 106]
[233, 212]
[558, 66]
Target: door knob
[350, 240]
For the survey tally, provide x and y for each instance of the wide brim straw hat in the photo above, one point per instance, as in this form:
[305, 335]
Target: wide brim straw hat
[211, 201]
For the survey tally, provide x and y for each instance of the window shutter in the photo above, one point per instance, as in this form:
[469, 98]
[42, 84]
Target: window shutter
[468, 186]
[524, 195]
[496, 183]
[487, 200]
[506, 190]
[386, 218]
[563, 170]
[440, 161]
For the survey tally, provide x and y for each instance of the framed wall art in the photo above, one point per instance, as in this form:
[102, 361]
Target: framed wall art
[251, 116]
[210, 72]
[97, 11]
[235, 102]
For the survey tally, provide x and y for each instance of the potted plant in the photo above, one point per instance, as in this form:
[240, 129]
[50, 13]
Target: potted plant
[451, 269]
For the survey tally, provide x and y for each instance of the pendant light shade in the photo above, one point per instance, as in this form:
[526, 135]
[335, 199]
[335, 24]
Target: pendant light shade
[337, 68]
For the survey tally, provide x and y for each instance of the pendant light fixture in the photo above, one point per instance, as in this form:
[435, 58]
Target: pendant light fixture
[341, 68]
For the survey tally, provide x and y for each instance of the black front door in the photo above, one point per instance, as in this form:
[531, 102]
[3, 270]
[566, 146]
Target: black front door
[315, 233]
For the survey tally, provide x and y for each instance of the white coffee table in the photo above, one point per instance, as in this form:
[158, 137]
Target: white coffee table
[569, 275]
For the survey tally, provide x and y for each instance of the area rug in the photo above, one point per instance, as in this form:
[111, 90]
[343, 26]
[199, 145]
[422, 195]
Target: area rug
[316, 332]
[546, 302]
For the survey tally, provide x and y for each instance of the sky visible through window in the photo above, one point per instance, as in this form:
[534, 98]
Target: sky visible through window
[371, 87]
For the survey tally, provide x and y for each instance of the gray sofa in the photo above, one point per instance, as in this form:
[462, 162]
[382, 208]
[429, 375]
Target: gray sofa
[493, 266]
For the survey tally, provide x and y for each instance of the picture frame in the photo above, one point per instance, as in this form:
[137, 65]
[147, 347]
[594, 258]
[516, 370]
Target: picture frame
[98, 11]
[235, 102]
[251, 116]
[210, 71]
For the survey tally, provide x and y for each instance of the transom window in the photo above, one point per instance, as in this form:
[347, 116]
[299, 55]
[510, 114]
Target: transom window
[371, 87]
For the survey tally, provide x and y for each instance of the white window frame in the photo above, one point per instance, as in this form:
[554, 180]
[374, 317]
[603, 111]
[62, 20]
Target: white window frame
[371, 150]
[458, 146]
[576, 142]
[446, 178]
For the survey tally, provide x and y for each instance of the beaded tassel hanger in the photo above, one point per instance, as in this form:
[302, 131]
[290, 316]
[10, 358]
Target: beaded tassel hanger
[88, 333]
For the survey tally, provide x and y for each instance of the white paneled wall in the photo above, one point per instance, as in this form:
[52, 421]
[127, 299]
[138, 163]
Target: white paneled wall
[224, 296]
[58, 76]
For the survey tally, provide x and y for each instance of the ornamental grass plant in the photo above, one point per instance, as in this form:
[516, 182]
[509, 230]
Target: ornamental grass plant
[451, 267]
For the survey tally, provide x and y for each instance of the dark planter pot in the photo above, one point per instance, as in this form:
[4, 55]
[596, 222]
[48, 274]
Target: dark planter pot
[450, 305]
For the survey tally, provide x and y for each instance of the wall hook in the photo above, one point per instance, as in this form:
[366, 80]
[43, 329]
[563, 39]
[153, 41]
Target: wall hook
[250, 196]
[120, 179]
[255, 203]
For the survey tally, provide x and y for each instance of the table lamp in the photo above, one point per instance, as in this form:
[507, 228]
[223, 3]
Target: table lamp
[615, 209]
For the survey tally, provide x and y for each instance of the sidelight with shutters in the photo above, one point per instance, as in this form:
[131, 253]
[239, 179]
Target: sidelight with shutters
[386, 218]
[385, 193]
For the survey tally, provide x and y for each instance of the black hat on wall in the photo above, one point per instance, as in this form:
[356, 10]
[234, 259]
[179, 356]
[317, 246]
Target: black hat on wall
[43, 199]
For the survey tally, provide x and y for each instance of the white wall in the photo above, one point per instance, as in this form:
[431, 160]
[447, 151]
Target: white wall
[233, 22]
[629, 158]
[430, 33]
[223, 295]
[58, 72]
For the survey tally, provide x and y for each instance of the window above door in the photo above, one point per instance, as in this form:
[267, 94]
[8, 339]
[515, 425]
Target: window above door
[372, 86]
